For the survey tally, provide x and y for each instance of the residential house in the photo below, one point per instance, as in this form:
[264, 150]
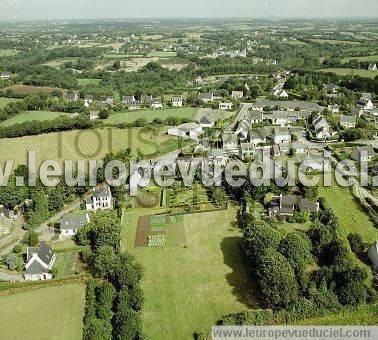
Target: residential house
[348, 121]
[6, 76]
[206, 97]
[101, 199]
[88, 100]
[280, 118]
[187, 130]
[71, 96]
[321, 127]
[217, 156]
[281, 135]
[156, 103]
[330, 88]
[176, 101]
[372, 254]
[333, 108]
[363, 154]
[225, 106]
[5, 220]
[372, 67]
[71, 223]
[256, 117]
[230, 143]
[356, 111]
[94, 115]
[280, 93]
[288, 105]
[285, 148]
[247, 150]
[366, 95]
[202, 147]
[207, 121]
[289, 204]
[131, 103]
[107, 101]
[257, 136]
[40, 261]
[237, 94]
[365, 104]
[243, 129]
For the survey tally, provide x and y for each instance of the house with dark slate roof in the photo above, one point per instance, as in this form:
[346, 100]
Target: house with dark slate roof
[71, 223]
[101, 199]
[206, 97]
[5, 217]
[348, 121]
[289, 204]
[40, 261]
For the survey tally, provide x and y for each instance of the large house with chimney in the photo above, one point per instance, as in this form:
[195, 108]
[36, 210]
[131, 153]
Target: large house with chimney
[40, 261]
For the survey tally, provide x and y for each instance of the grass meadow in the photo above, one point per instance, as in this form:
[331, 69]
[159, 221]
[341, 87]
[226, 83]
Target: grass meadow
[150, 115]
[351, 72]
[45, 313]
[5, 101]
[86, 144]
[189, 288]
[29, 116]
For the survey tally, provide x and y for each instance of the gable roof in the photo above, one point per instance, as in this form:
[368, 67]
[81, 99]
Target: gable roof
[347, 119]
[35, 268]
[45, 253]
[73, 222]
[205, 96]
[4, 211]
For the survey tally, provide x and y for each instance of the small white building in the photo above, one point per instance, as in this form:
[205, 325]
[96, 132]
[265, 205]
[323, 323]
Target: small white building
[176, 101]
[372, 67]
[225, 106]
[281, 135]
[230, 143]
[206, 97]
[101, 199]
[6, 76]
[237, 94]
[40, 261]
[156, 104]
[348, 121]
[365, 104]
[187, 130]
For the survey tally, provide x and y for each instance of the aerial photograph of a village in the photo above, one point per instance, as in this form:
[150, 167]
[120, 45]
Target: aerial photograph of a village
[188, 169]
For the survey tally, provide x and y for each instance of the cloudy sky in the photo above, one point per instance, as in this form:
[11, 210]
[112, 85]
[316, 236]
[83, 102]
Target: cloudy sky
[94, 9]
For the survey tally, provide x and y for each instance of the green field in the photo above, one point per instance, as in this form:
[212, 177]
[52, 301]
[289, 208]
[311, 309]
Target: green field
[7, 53]
[91, 144]
[45, 313]
[162, 54]
[189, 289]
[335, 42]
[29, 116]
[86, 81]
[363, 315]
[365, 58]
[351, 72]
[121, 56]
[352, 217]
[5, 101]
[150, 115]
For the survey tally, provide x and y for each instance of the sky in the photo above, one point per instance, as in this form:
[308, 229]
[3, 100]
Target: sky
[123, 9]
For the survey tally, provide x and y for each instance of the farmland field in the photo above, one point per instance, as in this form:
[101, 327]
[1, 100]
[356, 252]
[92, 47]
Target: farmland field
[5, 101]
[189, 288]
[335, 42]
[150, 115]
[7, 53]
[351, 72]
[28, 89]
[121, 56]
[88, 144]
[162, 54]
[29, 116]
[48, 313]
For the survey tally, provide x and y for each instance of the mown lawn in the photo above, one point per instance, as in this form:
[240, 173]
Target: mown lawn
[45, 313]
[29, 116]
[351, 72]
[366, 315]
[352, 217]
[189, 289]
[150, 115]
[5, 101]
[87, 144]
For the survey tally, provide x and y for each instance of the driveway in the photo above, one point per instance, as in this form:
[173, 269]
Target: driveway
[10, 277]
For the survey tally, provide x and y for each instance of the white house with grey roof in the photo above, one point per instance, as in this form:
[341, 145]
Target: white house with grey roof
[40, 261]
[288, 105]
[206, 97]
[71, 223]
[347, 121]
[101, 199]
[187, 130]
[237, 94]
[281, 135]
[176, 101]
